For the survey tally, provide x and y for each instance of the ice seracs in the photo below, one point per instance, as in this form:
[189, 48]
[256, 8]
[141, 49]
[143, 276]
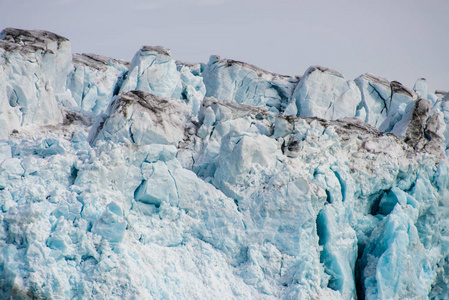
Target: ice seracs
[141, 118]
[95, 80]
[420, 129]
[237, 81]
[124, 181]
[35, 65]
[325, 93]
[55, 66]
[153, 70]
[375, 92]
[420, 88]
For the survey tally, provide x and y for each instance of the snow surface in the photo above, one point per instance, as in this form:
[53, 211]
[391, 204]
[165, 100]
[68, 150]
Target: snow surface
[123, 181]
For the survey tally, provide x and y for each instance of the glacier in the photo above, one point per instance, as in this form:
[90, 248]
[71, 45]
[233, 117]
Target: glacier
[163, 179]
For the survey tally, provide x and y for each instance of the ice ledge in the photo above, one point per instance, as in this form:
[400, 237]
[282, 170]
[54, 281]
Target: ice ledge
[230, 62]
[141, 118]
[324, 70]
[31, 38]
[156, 49]
[96, 61]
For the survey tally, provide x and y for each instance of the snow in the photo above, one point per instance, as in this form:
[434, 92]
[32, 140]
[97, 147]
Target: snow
[124, 181]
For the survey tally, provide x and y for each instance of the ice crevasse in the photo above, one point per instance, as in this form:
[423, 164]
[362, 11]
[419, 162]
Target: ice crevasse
[162, 179]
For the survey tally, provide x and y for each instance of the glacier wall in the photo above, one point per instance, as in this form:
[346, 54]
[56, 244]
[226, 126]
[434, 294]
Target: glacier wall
[170, 180]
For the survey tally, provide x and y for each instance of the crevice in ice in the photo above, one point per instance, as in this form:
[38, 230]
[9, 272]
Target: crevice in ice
[375, 206]
[247, 90]
[73, 175]
[119, 83]
[322, 233]
[184, 95]
[282, 95]
[427, 136]
[358, 273]
[174, 181]
[243, 83]
[342, 185]
[236, 201]
[212, 132]
[329, 108]
[380, 96]
[360, 106]
[131, 134]
[86, 257]
[328, 197]
[12, 97]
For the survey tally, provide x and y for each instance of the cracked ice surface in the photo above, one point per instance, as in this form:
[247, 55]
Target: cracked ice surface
[271, 188]
[324, 93]
[152, 70]
[95, 80]
[244, 83]
[35, 65]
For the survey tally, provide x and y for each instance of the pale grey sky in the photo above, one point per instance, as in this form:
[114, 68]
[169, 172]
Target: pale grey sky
[400, 40]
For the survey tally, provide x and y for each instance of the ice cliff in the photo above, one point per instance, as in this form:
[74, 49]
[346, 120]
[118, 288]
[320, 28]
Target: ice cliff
[161, 179]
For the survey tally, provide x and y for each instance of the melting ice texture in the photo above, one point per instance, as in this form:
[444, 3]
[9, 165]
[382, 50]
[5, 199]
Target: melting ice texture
[160, 179]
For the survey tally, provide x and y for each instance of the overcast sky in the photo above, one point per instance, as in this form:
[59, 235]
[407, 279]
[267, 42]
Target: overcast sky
[399, 40]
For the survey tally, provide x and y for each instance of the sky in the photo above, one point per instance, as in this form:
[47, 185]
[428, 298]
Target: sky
[400, 40]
